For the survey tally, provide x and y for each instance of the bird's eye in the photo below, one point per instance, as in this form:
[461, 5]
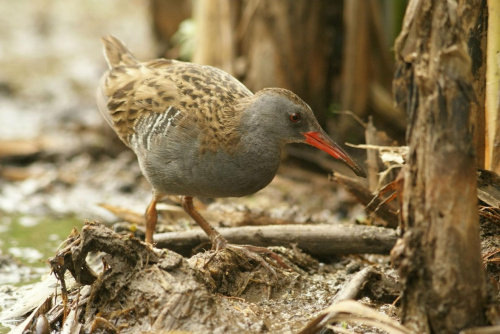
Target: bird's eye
[295, 117]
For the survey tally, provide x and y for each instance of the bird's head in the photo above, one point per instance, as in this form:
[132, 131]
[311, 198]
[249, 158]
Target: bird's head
[285, 118]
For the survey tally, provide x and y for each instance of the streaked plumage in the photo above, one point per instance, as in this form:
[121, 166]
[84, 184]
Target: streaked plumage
[197, 131]
[206, 96]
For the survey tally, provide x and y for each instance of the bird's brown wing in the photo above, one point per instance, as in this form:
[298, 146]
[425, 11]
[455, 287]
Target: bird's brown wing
[207, 98]
[128, 93]
[132, 90]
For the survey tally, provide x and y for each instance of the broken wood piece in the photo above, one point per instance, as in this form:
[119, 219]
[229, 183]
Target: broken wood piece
[375, 165]
[351, 289]
[370, 282]
[318, 240]
[488, 187]
[488, 191]
[386, 211]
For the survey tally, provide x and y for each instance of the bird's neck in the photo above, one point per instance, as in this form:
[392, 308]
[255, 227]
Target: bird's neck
[258, 144]
[260, 147]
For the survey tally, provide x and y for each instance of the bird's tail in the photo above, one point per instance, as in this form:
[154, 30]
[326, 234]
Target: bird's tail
[117, 53]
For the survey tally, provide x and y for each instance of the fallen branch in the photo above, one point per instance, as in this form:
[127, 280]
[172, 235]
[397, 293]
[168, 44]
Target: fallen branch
[319, 240]
[352, 288]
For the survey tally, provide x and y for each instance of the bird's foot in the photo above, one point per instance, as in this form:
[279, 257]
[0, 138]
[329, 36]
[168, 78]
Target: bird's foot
[219, 242]
[252, 252]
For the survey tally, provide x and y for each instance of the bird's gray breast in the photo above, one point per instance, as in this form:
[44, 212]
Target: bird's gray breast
[219, 174]
[171, 159]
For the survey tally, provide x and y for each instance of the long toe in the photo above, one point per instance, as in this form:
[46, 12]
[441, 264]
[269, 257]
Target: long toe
[253, 252]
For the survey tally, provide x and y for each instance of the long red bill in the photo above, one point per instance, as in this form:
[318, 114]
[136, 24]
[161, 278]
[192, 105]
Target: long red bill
[320, 140]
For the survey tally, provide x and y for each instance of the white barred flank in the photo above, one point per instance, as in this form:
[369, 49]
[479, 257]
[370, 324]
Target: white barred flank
[153, 126]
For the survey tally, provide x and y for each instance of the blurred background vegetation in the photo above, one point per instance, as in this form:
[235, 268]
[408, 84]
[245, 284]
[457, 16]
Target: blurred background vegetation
[336, 55]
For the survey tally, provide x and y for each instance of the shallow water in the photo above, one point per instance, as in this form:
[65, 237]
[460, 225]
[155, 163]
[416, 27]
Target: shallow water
[26, 243]
[32, 240]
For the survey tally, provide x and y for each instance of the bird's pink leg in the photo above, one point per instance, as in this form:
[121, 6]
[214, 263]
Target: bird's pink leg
[151, 219]
[217, 240]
